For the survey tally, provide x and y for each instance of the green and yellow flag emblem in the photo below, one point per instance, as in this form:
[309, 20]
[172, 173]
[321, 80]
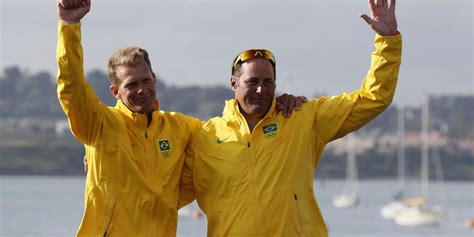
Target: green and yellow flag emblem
[165, 148]
[270, 130]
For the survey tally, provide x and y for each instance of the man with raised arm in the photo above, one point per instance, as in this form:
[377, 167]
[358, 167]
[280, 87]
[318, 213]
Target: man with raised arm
[135, 151]
[252, 170]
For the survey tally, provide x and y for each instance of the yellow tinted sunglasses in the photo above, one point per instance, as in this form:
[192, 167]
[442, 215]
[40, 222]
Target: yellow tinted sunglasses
[250, 54]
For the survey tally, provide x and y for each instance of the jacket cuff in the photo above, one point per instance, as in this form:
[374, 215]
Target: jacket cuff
[397, 37]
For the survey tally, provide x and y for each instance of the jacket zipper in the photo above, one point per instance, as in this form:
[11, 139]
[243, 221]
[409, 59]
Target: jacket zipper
[253, 179]
[150, 161]
[110, 215]
[253, 182]
[254, 191]
[299, 213]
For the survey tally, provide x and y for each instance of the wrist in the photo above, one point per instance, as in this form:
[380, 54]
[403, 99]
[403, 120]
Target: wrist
[68, 22]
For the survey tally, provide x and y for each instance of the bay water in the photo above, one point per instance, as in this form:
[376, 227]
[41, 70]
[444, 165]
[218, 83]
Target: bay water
[52, 206]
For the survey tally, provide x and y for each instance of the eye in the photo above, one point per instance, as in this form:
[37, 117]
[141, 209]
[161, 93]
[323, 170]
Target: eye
[252, 82]
[130, 85]
[268, 83]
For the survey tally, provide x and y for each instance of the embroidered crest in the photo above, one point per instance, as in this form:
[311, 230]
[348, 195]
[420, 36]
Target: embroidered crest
[165, 148]
[270, 130]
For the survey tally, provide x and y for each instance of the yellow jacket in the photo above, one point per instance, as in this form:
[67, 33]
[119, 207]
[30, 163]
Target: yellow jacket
[134, 170]
[260, 183]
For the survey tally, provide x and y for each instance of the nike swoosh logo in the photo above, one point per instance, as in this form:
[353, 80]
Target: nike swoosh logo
[219, 141]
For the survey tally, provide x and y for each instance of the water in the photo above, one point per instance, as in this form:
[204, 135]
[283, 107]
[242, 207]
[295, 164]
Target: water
[52, 207]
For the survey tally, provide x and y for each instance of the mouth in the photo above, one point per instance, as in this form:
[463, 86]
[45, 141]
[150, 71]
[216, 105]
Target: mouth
[141, 99]
[259, 99]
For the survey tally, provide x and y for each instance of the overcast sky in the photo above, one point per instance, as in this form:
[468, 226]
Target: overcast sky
[321, 46]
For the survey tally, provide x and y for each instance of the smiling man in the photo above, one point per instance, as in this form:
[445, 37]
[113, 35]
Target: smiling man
[135, 151]
[254, 84]
[257, 179]
[133, 81]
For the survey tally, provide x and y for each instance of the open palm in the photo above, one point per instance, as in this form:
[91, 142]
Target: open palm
[383, 20]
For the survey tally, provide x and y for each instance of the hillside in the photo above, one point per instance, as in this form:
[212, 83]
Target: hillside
[34, 137]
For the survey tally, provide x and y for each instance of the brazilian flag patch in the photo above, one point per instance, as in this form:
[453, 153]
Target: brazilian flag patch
[270, 130]
[165, 148]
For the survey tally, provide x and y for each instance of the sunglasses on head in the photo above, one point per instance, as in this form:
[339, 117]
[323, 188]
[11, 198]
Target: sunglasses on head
[251, 54]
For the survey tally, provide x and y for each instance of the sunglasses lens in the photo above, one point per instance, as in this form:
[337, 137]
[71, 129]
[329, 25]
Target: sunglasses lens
[250, 54]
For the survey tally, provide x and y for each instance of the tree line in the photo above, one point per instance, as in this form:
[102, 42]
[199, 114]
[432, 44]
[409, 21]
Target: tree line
[33, 95]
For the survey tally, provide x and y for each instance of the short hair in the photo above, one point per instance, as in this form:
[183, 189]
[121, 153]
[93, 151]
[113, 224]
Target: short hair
[128, 57]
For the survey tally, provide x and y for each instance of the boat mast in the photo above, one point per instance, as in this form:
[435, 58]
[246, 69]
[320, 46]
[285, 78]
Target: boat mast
[401, 149]
[425, 141]
[351, 169]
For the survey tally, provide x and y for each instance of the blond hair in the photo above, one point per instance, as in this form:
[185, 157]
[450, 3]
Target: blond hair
[128, 57]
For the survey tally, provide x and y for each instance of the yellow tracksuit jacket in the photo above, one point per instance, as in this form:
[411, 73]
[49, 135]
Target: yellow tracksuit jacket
[260, 183]
[134, 169]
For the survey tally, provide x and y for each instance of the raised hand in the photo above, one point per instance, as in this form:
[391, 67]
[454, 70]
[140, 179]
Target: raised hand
[72, 11]
[383, 20]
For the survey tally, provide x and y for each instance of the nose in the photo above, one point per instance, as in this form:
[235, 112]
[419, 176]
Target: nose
[259, 89]
[141, 89]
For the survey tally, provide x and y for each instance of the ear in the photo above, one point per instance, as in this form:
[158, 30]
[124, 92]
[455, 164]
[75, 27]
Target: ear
[115, 92]
[234, 83]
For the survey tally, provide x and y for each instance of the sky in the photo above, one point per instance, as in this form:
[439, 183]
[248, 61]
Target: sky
[321, 46]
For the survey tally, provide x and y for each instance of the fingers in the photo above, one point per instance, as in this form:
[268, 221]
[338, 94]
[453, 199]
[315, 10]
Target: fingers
[392, 5]
[73, 4]
[376, 6]
[281, 101]
[367, 19]
[372, 4]
[290, 106]
[298, 103]
[63, 4]
[72, 11]
[286, 104]
[69, 4]
[300, 100]
[379, 3]
[280, 106]
[372, 7]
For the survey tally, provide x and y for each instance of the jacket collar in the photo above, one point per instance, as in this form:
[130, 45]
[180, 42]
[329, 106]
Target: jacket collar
[138, 119]
[232, 111]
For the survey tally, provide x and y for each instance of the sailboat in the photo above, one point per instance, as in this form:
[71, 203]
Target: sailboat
[351, 199]
[422, 214]
[389, 210]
